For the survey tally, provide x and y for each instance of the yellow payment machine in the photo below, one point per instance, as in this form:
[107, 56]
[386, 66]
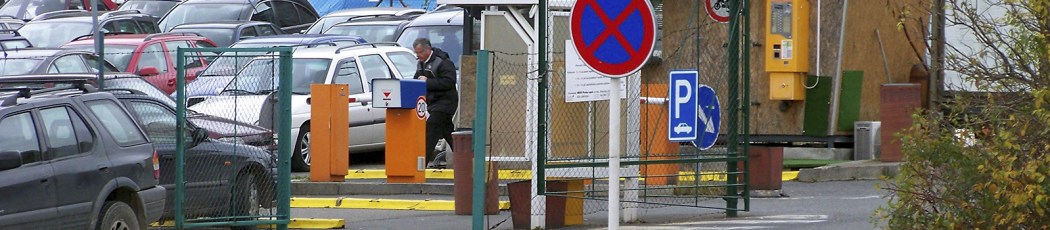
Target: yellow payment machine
[406, 125]
[787, 48]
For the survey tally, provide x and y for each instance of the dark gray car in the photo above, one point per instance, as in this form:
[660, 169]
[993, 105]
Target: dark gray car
[73, 160]
[289, 15]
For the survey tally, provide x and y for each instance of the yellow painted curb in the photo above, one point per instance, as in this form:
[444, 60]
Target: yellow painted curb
[447, 174]
[386, 204]
[296, 223]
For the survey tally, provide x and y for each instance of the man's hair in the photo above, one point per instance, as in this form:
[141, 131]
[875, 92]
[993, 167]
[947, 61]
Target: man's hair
[421, 42]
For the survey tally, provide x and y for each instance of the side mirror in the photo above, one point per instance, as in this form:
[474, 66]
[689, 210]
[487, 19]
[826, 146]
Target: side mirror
[148, 71]
[199, 135]
[302, 31]
[10, 160]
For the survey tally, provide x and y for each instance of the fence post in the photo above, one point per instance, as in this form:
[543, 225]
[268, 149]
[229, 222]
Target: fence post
[480, 139]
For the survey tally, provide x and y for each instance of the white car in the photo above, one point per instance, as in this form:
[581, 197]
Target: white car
[246, 97]
[682, 128]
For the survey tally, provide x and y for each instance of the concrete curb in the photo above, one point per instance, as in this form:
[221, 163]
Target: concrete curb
[374, 188]
[853, 170]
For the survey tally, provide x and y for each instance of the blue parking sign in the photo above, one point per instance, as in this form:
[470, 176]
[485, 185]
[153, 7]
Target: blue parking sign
[682, 105]
[709, 117]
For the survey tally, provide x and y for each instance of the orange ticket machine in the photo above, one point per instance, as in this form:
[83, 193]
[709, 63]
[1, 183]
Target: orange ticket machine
[406, 125]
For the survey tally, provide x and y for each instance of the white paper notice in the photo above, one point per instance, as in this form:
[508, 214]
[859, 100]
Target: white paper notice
[583, 84]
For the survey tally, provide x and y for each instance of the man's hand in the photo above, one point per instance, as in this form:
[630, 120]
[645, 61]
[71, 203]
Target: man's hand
[422, 78]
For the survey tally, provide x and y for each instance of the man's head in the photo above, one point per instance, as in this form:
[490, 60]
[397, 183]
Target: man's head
[422, 49]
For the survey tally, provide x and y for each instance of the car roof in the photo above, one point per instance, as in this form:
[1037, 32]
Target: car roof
[298, 38]
[136, 39]
[449, 17]
[85, 16]
[345, 51]
[382, 20]
[371, 11]
[221, 24]
[34, 52]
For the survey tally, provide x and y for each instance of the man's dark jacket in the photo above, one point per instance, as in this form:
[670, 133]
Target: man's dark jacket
[441, 82]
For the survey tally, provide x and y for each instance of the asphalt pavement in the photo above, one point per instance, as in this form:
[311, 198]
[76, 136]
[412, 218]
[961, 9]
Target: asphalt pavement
[826, 205]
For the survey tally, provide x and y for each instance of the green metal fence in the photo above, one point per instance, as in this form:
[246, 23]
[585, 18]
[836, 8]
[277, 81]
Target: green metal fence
[524, 118]
[233, 137]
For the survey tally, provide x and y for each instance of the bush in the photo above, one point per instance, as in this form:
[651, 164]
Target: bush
[967, 169]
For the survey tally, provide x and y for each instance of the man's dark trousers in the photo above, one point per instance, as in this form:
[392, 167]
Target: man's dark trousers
[439, 125]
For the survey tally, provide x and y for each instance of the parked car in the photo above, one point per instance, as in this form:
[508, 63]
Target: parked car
[74, 159]
[337, 17]
[377, 29]
[225, 33]
[58, 28]
[289, 15]
[8, 22]
[150, 56]
[50, 61]
[155, 8]
[10, 39]
[354, 65]
[444, 28]
[224, 178]
[221, 71]
[27, 9]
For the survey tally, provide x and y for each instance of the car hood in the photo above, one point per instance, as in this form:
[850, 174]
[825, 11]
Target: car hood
[243, 109]
[219, 127]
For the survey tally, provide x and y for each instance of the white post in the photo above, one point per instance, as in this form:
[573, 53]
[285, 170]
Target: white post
[614, 153]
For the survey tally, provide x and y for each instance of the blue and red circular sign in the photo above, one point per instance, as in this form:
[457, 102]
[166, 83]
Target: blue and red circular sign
[613, 37]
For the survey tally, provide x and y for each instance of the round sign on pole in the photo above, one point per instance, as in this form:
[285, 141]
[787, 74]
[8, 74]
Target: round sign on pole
[718, 10]
[613, 37]
[708, 117]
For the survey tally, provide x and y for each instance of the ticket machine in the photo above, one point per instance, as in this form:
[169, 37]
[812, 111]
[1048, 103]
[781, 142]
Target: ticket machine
[406, 124]
[787, 48]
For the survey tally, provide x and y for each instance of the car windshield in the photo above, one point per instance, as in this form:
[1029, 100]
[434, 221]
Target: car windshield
[152, 8]
[30, 8]
[53, 34]
[18, 66]
[222, 37]
[326, 22]
[258, 76]
[118, 55]
[206, 12]
[228, 64]
[446, 38]
[371, 33]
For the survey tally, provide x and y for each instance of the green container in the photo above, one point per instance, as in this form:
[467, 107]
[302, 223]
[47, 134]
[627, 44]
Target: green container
[818, 101]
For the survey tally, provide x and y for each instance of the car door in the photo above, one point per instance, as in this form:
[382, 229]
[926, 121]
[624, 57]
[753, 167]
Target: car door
[154, 55]
[78, 164]
[375, 67]
[32, 182]
[348, 72]
[203, 178]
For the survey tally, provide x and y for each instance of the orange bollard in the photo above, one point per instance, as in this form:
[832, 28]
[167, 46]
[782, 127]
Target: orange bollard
[405, 146]
[654, 143]
[329, 120]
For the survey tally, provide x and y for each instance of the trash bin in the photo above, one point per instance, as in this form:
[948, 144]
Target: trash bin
[767, 167]
[463, 178]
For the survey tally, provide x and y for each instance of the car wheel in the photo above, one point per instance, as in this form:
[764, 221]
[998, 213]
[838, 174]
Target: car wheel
[301, 157]
[245, 198]
[117, 215]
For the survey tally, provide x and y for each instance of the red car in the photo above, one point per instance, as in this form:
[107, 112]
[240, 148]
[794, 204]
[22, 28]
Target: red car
[150, 56]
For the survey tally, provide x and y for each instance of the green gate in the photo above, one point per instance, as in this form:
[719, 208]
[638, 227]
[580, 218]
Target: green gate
[232, 162]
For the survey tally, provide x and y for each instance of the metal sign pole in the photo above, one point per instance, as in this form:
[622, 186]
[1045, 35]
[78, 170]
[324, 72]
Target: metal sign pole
[97, 29]
[614, 153]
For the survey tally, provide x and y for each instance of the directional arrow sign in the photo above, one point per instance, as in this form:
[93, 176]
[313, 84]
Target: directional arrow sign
[709, 117]
[681, 125]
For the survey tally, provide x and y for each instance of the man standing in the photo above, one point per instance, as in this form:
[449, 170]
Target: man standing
[442, 97]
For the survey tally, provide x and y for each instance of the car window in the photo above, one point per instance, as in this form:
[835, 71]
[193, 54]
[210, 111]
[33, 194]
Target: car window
[264, 12]
[122, 26]
[76, 5]
[148, 28]
[92, 64]
[375, 67]
[404, 62]
[19, 134]
[349, 74]
[191, 61]
[305, 17]
[101, 5]
[210, 56]
[287, 15]
[266, 30]
[155, 119]
[11, 66]
[117, 123]
[62, 134]
[153, 56]
[15, 44]
[248, 32]
[68, 64]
